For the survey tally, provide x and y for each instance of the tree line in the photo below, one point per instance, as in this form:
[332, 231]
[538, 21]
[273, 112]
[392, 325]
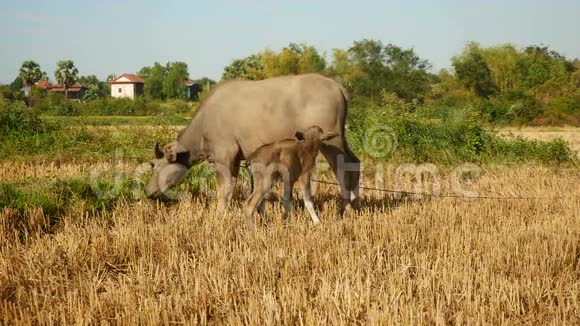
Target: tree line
[368, 68]
[505, 83]
[161, 81]
[66, 75]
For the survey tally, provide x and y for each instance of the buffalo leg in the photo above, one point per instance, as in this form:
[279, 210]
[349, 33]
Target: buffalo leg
[354, 178]
[226, 181]
[346, 168]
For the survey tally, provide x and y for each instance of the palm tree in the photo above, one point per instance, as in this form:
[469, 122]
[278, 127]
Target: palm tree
[66, 74]
[30, 73]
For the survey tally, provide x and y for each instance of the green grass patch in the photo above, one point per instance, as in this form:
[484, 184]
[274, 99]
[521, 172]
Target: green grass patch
[160, 120]
[74, 196]
[140, 106]
[85, 143]
[95, 195]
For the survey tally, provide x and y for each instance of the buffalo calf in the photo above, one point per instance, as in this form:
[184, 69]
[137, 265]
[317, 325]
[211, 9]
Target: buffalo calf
[289, 160]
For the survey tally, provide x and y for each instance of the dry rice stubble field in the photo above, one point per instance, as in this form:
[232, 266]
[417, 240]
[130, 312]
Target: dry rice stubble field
[396, 261]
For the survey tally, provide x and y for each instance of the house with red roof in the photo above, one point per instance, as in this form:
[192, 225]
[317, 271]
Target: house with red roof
[75, 91]
[127, 85]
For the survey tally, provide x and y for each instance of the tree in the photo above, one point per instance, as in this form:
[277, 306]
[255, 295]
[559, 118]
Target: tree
[30, 73]
[545, 73]
[292, 60]
[206, 82]
[473, 72]
[503, 62]
[165, 81]
[16, 84]
[575, 77]
[173, 84]
[369, 68]
[367, 58]
[91, 93]
[343, 68]
[310, 60]
[279, 64]
[95, 87]
[408, 73]
[154, 78]
[248, 68]
[66, 74]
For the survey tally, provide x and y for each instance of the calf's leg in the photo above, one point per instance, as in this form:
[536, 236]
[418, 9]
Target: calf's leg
[262, 186]
[307, 197]
[262, 208]
[287, 200]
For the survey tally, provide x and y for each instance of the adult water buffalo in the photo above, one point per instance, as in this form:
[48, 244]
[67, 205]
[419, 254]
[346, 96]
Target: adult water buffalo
[239, 116]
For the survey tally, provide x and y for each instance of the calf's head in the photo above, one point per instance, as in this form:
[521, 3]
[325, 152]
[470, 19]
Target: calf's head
[170, 167]
[315, 134]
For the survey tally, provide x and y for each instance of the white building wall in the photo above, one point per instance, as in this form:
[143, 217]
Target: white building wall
[123, 90]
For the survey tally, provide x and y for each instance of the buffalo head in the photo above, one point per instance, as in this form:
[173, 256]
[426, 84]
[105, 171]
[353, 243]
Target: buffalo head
[170, 167]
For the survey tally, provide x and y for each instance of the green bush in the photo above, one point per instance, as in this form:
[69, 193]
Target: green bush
[17, 118]
[446, 136]
[6, 92]
[495, 110]
[55, 104]
[551, 118]
[178, 107]
[523, 111]
[102, 120]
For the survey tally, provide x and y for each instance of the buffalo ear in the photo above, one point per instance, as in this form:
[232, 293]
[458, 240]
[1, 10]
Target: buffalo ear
[158, 151]
[328, 135]
[299, 135]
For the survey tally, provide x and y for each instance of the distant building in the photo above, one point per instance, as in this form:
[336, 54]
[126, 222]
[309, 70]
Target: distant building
[127, 85]
[43, 84]
[25, 90]
[192, 89]
[75, 92]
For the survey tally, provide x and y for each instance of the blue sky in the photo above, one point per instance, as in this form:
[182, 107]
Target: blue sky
[104, 37]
